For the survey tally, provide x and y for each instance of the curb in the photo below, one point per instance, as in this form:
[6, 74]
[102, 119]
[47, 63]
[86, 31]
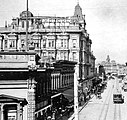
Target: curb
[72, 117]
[85, 104]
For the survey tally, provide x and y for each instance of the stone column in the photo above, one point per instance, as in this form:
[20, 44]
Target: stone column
[58, 81]
[52, 82]
[21, 112]
[1, 39]
[2, 112]
[18, 111]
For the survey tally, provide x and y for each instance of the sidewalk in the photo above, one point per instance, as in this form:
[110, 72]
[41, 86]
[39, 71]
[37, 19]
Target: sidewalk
[80, 108]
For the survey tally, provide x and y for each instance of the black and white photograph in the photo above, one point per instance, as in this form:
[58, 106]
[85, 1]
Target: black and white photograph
[63, 59]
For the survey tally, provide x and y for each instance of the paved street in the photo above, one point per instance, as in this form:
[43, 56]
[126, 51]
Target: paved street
[105, 109]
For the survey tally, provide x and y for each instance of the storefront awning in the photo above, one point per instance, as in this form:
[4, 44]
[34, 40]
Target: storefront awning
[58, 94]
[69, 94]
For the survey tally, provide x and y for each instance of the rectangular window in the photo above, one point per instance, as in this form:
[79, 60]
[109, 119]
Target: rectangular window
[74, 43]
[74, 56]
[31, 58]
[49, 53]
[65, 56]
[51, 43]
[53, 54]
[44, 43]
[22, 44]
[22, 24]
[12, 44]
[62, 55]
[5, 43]
[65, 43]
[36, 43]
[61, 42]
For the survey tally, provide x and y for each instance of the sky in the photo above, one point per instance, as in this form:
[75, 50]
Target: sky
[106, 21]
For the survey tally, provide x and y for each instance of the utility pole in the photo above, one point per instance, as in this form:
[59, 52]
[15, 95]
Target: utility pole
[75, 95]
[27, 25]
[55, 38]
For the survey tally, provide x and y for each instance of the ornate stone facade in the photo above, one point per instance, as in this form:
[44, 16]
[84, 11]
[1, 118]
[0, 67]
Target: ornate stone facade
[58, 38]
[63, 38]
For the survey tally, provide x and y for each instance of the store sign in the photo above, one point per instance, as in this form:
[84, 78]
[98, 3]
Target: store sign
[17, 61]
[13, 58]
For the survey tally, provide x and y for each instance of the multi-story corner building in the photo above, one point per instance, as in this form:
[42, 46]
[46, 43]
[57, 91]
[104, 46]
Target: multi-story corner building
[60, 38]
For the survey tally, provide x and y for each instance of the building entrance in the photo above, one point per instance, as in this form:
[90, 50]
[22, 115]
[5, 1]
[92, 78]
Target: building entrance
[11, 108]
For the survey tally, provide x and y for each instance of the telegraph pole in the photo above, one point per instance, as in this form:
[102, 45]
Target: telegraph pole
[55, 39]
[27, 25]
[75, 95]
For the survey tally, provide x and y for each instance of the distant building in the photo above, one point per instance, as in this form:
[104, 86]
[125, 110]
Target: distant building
[110, 65]
[122, 69]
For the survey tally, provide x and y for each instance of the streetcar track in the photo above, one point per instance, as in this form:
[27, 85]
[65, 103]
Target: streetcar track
[114, 118]
[108, 97]
[119, 112]
[103, 107]
[108, 105]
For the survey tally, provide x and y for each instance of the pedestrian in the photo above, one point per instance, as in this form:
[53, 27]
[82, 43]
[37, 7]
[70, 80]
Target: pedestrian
[96, 94]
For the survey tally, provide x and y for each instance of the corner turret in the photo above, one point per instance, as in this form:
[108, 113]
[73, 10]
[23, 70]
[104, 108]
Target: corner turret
[78, 12]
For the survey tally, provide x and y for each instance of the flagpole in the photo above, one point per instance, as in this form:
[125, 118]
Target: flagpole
[27, 25]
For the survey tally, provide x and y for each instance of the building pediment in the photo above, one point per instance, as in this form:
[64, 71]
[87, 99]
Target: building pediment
[12, 99]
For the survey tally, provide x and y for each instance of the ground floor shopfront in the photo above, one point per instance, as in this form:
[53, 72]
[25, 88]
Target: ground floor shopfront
[62, 89]
[85, 89]
[61, 104]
